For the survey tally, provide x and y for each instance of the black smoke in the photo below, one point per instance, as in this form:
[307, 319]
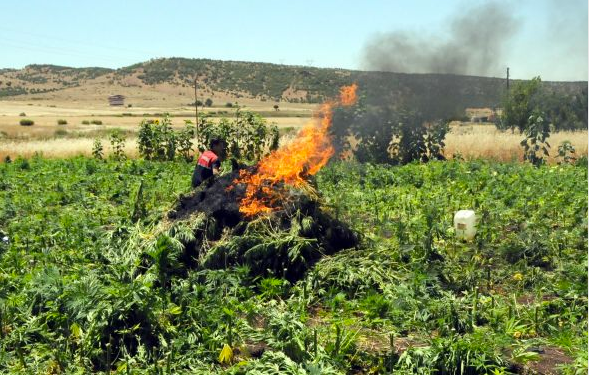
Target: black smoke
[473, 43]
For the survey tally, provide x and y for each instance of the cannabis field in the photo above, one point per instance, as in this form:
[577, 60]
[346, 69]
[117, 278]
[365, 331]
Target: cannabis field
[96, 278]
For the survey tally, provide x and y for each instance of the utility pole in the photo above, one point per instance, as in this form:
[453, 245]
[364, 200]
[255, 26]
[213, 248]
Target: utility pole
[507, 78]
[195, 106]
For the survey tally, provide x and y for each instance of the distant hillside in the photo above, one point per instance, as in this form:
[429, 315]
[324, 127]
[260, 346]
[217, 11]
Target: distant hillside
[435, 93]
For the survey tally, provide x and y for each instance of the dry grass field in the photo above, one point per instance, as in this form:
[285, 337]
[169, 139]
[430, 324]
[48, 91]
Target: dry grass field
[52, 140]
[485, 141]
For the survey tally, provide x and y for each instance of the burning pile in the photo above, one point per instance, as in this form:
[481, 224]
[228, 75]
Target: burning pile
[291, 165]
[268, 216]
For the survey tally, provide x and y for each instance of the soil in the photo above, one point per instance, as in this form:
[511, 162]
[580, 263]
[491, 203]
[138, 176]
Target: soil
[551, 358]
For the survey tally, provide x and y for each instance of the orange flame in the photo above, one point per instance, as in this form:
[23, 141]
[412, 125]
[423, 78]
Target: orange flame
[293, 163]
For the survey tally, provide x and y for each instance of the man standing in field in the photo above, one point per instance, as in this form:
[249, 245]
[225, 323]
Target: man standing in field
[209, 162]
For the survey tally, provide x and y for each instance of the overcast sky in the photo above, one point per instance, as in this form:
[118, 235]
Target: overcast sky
[543, 37]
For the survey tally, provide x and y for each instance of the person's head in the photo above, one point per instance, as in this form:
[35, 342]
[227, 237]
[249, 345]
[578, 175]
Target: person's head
[217, 145]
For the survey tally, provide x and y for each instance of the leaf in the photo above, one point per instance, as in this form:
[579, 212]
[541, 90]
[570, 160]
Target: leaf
[226, 355]
[175, 310]
[76, 330]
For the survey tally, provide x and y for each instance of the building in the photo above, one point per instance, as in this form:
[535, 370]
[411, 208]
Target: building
[116, 100]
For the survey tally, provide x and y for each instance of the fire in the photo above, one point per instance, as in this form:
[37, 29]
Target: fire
[292, 164]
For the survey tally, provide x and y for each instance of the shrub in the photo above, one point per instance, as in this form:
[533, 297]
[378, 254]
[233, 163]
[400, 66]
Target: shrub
[117, 141]
[85, 122]
[389, 135]
[27, 122]
[209, 102]
[248, 136]
[535, 144]
[228, 104]
[158, 141]
[96, 122]
[22, 114]
[97, 149]
[566, 153]
[60, 132]
[61, 122]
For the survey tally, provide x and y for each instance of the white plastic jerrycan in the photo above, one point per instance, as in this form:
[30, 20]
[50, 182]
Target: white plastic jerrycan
[465, 224]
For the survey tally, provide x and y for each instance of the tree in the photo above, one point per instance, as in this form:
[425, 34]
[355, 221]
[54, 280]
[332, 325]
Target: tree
[518, 105]
[563, 111]
[209, 102]
[276, 108]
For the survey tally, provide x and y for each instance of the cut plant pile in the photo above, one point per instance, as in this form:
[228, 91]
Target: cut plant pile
[284, 243]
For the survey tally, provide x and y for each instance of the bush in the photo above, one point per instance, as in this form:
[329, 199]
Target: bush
[209, 102]
[98, 149]
[156, 139]
[85, 122]
[228, 104]
[60, 132]
[61, 122]
[22, 114]
[389, 135]
[117, 142]
[27, 122]
[247, 136]
[96, 122]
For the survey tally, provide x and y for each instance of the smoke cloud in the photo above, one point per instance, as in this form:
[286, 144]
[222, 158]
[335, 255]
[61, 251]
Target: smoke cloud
[474, 43]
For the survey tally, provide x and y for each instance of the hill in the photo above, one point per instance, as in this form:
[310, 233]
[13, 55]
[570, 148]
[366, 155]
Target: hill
[172, 80]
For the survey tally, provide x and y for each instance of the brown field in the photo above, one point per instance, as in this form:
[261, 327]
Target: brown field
[468, 139]
[485, 141]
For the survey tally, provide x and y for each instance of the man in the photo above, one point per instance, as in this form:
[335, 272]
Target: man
[209, 162]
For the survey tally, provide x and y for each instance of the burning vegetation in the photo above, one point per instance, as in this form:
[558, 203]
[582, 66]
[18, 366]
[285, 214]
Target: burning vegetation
[293, 164]
[268, 216]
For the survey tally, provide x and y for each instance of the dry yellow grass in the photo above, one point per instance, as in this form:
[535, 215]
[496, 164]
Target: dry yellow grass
[485, 141]
[58, 148]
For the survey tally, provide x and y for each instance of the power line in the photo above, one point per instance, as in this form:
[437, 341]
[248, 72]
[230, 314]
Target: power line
[78, 42]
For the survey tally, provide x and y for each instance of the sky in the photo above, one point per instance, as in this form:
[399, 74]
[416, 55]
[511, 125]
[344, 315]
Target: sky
[550, 39]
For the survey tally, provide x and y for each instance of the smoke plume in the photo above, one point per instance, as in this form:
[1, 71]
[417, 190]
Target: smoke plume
[473, 44]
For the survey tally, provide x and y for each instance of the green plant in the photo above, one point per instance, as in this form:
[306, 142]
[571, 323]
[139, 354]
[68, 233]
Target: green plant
[96, 122]
[61, 122]
[535, 144]
[93, 280]
[184, 141]
[157, 140]
[209, 102]
[85, 122]
[387, 135]
[117, 141]
[566, 153]
[248, 136]
[98, 149]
